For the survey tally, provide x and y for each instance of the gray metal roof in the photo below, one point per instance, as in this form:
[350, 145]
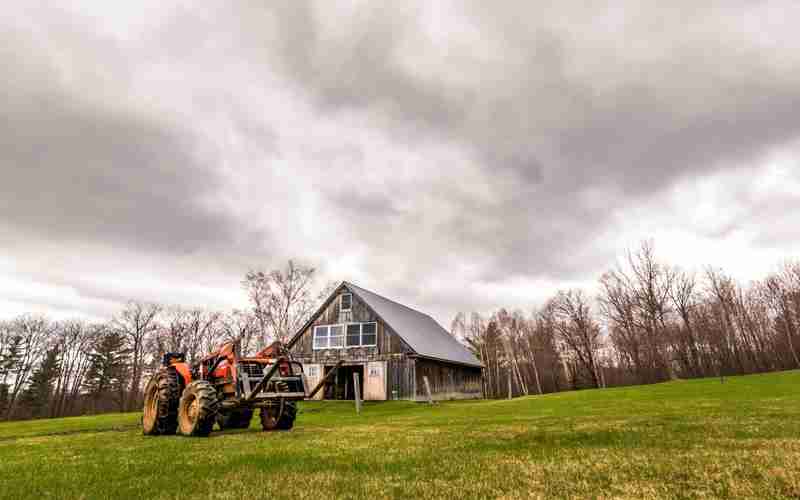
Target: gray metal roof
[421, 332]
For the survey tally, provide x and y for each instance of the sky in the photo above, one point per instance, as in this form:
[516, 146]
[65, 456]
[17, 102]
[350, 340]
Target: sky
[454, 156]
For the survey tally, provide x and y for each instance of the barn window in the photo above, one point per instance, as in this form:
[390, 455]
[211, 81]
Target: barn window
[347, 302]
[337, 336]
[353, 335]
[368, 334]
[312, 371]
[321, 337]
[345, 335]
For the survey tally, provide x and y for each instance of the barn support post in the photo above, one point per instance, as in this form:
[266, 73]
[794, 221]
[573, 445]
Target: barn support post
[357, 390]
[427, 389]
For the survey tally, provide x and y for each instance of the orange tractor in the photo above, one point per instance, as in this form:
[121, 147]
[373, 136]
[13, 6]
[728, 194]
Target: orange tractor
[223, 388]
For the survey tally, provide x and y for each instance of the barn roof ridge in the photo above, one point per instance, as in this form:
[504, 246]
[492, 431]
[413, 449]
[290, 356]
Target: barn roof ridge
[350, 283]
[419, 330]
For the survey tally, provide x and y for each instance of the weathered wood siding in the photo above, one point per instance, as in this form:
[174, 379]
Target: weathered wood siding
[401, 383]
[447, 381]
[402, 371]
[387, 341]
[390, 350]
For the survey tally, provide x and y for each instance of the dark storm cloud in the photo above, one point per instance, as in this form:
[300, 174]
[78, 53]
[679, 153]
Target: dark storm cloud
[74, 170]
[439, 151]
[701, 95]
[355, 203]
[359, 70]
[72, 173]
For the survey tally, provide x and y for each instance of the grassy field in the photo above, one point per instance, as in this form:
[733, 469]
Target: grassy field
[683, 439]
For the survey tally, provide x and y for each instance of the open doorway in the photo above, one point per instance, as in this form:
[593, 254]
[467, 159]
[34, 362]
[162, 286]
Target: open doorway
[342, 385]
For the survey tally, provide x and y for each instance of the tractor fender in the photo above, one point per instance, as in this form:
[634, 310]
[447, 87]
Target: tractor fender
[184, 371]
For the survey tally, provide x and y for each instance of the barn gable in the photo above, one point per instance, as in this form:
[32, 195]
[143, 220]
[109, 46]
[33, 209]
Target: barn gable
[332, 312]
[421, 332]
[389, 346]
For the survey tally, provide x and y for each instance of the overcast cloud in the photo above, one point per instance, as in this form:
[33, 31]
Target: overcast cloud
[451, 155]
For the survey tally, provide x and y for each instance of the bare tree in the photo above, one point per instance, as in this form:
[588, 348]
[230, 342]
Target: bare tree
[199, 331]
[778, 295]
[74, 340]
[722, 291]
[458, 327]
[752, 319]
[683, 296]
[6, 363]
[30, 336]
[532, 345]
[241, 326]
[281, 299]
[185, 330]
[578, 332]
[636, 301]
[542, 342]
[137, 322]
[513, 327]
[485, 340]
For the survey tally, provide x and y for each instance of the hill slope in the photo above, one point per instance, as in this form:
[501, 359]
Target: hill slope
[681, 439]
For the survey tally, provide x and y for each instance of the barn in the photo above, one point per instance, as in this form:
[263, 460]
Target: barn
[390, 346]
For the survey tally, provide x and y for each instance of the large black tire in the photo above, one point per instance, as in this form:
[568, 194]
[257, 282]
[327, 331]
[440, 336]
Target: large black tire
[161, 396]
[197, 410]
[239, 419]
[279, 416]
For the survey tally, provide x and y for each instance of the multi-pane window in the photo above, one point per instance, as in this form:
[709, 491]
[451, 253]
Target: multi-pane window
[321, 337]
[336, 336]
[347, 302]
[354, 335]
[345, 335]
[369, 334]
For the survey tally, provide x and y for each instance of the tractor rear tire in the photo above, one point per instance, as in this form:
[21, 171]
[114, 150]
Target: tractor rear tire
[236, 419]
[161, 396]
[279, 416]
[197, 410]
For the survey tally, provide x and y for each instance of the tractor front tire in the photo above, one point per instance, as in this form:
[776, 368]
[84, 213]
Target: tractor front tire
[235, 420]
[279, 416]
[197, 410]
[160, 415]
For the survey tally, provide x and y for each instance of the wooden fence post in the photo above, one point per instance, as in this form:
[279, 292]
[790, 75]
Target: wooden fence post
[427, 389]
[357, 390]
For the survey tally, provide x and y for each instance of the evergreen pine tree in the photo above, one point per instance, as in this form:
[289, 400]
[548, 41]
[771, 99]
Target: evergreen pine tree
[36, 397]
[9, 358]
[9, 361]
[105, 378]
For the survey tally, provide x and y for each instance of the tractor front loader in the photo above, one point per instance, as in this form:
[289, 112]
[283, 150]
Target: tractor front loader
[224, 389]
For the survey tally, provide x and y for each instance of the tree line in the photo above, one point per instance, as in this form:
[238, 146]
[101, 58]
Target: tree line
[75, 367]
[649, 322]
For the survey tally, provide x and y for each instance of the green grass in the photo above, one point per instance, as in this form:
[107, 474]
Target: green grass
[683, 439]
